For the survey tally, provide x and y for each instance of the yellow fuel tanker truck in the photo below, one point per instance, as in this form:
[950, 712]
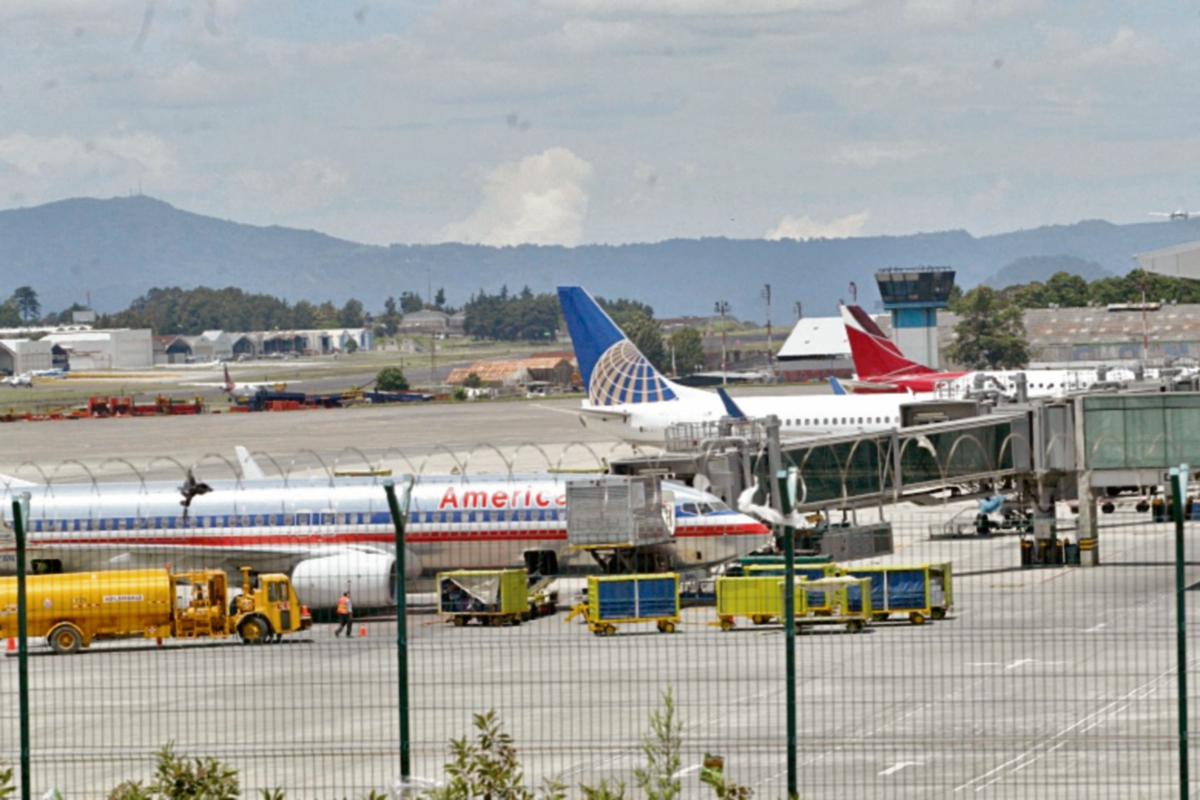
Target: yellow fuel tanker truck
[73, 609]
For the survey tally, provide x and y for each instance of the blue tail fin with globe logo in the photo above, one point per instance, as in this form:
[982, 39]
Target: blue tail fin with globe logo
[613, 371]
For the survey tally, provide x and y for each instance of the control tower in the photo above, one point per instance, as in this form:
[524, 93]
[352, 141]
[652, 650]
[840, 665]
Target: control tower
[913, 295]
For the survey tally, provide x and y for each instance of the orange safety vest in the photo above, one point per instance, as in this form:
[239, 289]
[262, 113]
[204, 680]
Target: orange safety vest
[343, 606]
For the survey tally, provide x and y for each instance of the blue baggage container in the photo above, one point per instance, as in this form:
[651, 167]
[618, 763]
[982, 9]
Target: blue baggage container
[633, 598]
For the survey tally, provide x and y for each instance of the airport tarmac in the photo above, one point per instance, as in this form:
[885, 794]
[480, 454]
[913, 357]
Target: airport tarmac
[1041, 683]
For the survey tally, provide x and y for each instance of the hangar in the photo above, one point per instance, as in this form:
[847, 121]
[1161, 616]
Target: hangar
[18, 356]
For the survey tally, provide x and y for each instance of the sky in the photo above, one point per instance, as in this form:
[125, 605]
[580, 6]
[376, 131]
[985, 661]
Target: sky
[573, 122]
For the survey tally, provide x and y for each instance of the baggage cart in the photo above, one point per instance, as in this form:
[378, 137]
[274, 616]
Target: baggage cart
[618, 599]
[492, 596]
[818, 602]
[845, 601]
[921, 591]
[758, 598]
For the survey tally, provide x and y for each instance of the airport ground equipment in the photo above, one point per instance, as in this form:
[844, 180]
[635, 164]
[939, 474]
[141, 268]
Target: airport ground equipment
[921, 591]
[617, 599]
[818, 602]
[493, 597]
[846, 600]
[625, 522]
[758, 598]
[73, 609]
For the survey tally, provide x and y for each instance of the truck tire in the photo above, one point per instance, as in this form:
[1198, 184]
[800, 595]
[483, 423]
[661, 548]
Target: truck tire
[65, 640]
[254, 630]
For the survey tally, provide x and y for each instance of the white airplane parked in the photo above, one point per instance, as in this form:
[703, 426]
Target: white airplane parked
[332, 535]
[629, 398]
[231, 387]
[24, 379]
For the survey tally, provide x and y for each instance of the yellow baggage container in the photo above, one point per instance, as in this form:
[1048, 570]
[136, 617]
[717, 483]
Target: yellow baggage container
[817, 601]
[845, 600]
[492, 596]
[616, 599]
[758, 598]
[920, 591]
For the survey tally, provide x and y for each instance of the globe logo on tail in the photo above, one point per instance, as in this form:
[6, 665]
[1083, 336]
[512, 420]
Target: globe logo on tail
[623, 375]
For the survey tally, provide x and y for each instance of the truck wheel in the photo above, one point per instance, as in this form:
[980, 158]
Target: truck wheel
[254, 630]
[65, 640]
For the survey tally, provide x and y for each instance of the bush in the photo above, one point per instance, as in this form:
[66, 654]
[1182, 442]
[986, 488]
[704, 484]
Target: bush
[391, 379]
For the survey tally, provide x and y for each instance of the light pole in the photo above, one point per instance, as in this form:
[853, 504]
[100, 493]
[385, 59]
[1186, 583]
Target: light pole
[799, 311]
[766, 293]
[721, 308]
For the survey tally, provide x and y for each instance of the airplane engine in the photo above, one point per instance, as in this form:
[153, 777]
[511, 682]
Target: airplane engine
[370, 578]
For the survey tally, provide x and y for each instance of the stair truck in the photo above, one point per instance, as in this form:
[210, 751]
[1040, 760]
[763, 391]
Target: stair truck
[73, 609]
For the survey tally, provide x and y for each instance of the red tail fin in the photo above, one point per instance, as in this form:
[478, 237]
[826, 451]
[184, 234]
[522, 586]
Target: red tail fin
[229, 384]
[874, 354]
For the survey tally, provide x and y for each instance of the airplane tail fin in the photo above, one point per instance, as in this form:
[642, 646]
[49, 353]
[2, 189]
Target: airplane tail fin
[229, 384]
[874, 354]
[613, 370]
[836, 385]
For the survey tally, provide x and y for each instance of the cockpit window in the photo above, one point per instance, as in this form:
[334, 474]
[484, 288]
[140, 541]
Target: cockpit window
[717, 506]
[705, 508]
[689, 508]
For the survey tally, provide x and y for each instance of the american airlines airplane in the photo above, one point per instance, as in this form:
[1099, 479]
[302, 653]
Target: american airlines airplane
[334, 535]
[630, 399]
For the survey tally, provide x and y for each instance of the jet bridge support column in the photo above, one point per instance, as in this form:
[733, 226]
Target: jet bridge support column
[1088, 524]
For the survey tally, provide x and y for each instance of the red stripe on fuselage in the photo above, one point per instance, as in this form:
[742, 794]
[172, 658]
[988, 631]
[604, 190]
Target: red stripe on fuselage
[415, 537]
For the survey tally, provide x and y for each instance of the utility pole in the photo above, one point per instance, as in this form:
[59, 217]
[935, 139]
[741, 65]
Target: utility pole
[766, 293]
[799, 311]
[721, 308]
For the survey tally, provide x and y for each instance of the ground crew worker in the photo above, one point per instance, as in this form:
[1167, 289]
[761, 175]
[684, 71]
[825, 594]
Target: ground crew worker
[345, 612]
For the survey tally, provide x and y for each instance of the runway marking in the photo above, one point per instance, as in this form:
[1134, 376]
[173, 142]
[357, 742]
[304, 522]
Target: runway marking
[1019, 663]
[901, 765]
[1098, 717]
[572, 411]
[1095, 628]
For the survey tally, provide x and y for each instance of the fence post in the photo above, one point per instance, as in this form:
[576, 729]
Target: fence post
[1179, 476]
[782, 502]
[20, 506]
[399, 512]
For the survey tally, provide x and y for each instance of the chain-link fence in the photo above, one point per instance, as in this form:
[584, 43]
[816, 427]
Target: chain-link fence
[1038, 682]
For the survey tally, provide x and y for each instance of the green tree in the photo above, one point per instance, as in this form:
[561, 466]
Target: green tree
[622, 311]
[991, 332]
[473, 381]
[10, 317]
[27, 303]
[391, 379]
[646, 335]
[391, 317]
[439, 299]
[351, 314]
[687, 351]
[411, 302]
[1067, 290]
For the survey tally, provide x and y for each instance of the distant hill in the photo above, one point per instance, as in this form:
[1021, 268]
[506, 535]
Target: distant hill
[116, 249]
[1039, 268]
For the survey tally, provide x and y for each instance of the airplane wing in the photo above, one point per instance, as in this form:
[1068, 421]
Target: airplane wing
[605, 413]
[879, 387]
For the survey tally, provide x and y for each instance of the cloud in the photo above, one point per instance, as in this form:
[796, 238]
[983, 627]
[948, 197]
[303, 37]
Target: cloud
[870, 154]
[801, 228]
[538, 200]
[36, 155]
[299, 186]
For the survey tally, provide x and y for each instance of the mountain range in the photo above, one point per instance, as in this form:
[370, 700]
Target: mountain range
[107, 252]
